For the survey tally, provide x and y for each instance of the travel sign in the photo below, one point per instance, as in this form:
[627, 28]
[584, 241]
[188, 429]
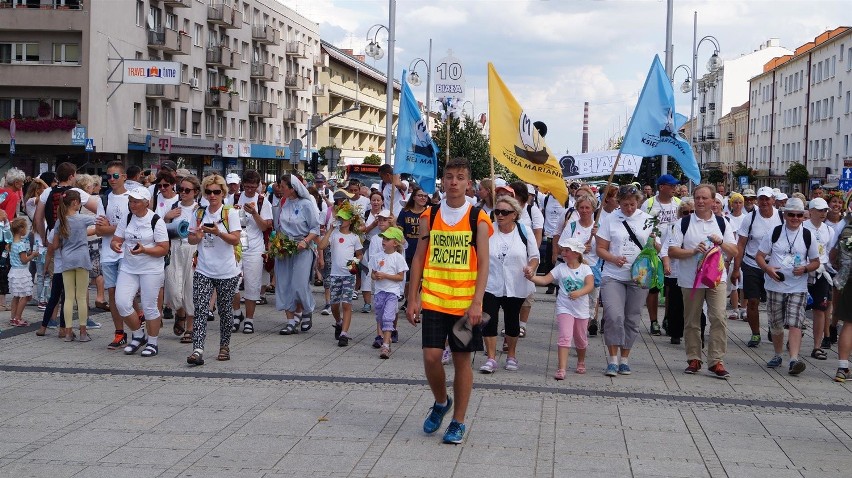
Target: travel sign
[151, 72]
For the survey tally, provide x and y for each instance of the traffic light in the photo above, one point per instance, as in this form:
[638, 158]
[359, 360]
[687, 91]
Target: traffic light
[314, 163]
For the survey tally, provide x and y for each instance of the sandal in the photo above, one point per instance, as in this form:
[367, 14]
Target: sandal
[248, 327]
[224, 354]
[187, 337]
[560, 374]
[102, 305]
[19, 323]
[819, 354]
[196, 358]
[179, 327]
[290, 329]
[261, 301]
[581, 368]
[150, 351]
[522, 333]
[306, 324]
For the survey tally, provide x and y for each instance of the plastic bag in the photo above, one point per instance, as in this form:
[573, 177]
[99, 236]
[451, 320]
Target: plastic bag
[710, 270]
[647, 269]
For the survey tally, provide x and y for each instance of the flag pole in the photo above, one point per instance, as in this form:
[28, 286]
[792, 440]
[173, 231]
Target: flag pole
[608, 182]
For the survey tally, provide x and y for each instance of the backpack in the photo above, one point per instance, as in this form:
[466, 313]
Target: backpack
[473, 219]
[167, 259]
[754, 214]
[223, 215]
[710, 270]
[684, 224]
[260, 199]
[675, 200]
[806, 235]
[521, 232]
[51, 206]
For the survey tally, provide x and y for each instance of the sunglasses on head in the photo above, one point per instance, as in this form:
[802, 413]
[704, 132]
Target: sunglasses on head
[214, 192]
[185, 190]
[796, 214]
[503, 212]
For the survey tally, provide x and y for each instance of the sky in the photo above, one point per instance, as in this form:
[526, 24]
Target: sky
[555, 54]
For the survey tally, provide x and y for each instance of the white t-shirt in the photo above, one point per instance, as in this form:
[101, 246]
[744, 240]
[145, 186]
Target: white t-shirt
[84, 198]
[583, 234]
[787, 253]
[664, 250]
[666, 213]
[164, 205]
[569, 280]
[343, 248]
[697, 233]
[187, 213]
[254, 236]
[762, 228]
[507, 258]
[838, 229]
[553, 213]
[736, 222]
[533, 218]
[387, 191]
[139, 232]
[824, 236]
[393, 263]
[620, 244]
[116, 213]
[216, 258]
[364, 204]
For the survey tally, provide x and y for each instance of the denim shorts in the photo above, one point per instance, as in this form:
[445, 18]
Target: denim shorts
[110, 272]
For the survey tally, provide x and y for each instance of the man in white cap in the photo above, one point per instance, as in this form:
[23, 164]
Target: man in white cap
[749, 198]
[664, 206]
[780, 200]
[787, 254]
[759, 224]
[819, 284]
[233, 181]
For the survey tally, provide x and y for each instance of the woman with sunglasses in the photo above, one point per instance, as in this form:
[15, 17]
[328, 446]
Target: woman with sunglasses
[179, 271]
[297, 219]
[216, 268]
[507, 287]
[620, 239]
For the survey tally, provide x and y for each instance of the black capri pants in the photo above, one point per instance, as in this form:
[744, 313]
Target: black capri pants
[511, 306]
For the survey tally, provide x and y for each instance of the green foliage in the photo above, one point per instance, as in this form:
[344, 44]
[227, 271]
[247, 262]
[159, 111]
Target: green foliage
[714, 176]
[797, 173]
[467, 140]
[373, 159]
[740, 169]
[322, 161]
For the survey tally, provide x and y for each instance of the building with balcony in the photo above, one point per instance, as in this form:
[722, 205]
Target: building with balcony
[350, 84]
[719, 91]
[733, 139]
[800, 111]
[60, 66]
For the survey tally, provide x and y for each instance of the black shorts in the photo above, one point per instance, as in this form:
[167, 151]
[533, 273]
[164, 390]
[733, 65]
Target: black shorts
[843, 311]
[820, 291]
[438, 330]
[753, 282]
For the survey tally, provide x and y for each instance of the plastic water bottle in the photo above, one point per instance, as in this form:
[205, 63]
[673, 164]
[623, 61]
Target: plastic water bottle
[3, 197]
[797, 260]
[6, 230]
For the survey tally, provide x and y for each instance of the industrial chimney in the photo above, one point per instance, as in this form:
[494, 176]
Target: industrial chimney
[585, 127]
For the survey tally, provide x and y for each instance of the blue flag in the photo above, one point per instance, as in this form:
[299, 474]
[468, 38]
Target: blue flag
[652, 129]
[416, 154]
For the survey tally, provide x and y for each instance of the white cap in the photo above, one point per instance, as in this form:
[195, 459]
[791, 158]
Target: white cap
[818, 203]
[572, 243]
[530, 189]
[781, 197]
[140, 193]
[232, 178]
[795, 204]
[499, 182]
[776, 190]
[384, 213]
[375, 186]
[766, 191]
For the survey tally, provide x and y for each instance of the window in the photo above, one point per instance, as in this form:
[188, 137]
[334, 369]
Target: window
[155, 18]
[65, 108]
[244, 52]
[833, 65]
[242, 129]
[137, 114]
[183, 114]
[220, 126]
[152, 114]
[199, 35]
[171, 21]
[196, 74]
[19, 52]
[848, 99]
[243, 90]
[825, 108]
[140, 13]
[66, 53]
[196, 123]
[169, 119]
[208, 125]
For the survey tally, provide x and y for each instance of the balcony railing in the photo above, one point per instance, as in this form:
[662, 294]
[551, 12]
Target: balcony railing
[294, 82]
[178, 3]
[219, 56]
[266, 35]
[169, 41]
[262, 108]
[319, 89]
[264, 71]
[297, 49]
[217, 100]
[34, 4]
[178, 93]
[224, 16]
[295, 115]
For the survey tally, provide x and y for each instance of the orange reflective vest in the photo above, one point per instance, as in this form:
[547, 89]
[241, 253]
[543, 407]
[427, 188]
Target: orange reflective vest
[450, 268]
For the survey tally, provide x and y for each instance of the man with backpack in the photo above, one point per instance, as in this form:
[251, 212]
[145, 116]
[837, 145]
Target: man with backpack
[787, 255]
[759, 224]
[699, 244]
[664, 206]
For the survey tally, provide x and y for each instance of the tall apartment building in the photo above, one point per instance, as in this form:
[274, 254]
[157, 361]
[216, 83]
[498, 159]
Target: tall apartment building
[351, 83]
[800, 111]
[733, 138]
[721, 90]
[246, 70]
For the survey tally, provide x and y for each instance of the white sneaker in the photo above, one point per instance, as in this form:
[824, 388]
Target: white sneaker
[445, 357]
[326, 310]
[489, 366]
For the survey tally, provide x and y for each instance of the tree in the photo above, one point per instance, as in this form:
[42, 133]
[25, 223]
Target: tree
[740, 169]
[715, 176]
[467, 140]
[797, 174]
[373, 159]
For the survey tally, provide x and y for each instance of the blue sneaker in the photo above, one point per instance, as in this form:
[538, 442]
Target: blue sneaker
[611, 370]
[436, 416]
[624, 369]
[91, 324]
[796, 367]
[775, 362]
[454, 433]
[52, 324]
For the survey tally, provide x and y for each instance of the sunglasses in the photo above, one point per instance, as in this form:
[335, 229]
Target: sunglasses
[503, 212]
[687, 213]
[185, 190]
[797, 215]
[114, 175]
[214, 192]
[165, 185]
[628, 190]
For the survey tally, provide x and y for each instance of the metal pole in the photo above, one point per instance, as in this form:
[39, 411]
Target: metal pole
[308, 149]
[429, 90]
[694, 82]
[389, 103]
[664, 164]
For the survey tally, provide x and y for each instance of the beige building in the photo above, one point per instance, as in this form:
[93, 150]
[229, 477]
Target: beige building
[246, 72]
[733, 138]
[349, 83]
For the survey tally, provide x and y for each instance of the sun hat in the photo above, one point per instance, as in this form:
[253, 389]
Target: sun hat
[394, 233]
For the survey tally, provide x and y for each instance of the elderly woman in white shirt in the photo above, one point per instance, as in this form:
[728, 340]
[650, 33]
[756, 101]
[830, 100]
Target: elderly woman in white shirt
[507, 287]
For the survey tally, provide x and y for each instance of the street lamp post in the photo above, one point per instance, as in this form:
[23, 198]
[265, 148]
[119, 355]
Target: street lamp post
[471, 107]
[686, 87]
[414, 79]
[713, 64]
[374, 50]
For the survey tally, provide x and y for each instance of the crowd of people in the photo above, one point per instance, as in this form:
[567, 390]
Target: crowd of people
[178, 247]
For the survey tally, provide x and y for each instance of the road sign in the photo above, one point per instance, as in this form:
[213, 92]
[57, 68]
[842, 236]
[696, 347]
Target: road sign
[845, 184]
[295, 146]
[90, 145]
[449, 77]
[78, 136]
[743, 181]
[847, 173]
[12, 146]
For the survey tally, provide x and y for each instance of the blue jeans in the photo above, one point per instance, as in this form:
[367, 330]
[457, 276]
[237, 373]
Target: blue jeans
[57, 290]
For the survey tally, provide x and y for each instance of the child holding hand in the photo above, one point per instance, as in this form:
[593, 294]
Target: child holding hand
[20, 280]
[575, 281]
[345, 245]
[387, 269]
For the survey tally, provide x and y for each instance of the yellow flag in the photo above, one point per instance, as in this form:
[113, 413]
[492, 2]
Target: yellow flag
[516, 144]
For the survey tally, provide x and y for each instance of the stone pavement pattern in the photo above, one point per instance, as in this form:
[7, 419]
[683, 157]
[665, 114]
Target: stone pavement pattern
[300, 405]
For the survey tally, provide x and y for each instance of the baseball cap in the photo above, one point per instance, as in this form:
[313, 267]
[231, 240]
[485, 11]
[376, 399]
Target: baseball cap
[319, 178]
[232, 178]
[781, 197]
[140, 193]
[573, 244]
[344, 214]
[374, 186]
[168, 164]
[182, 173]
[749, 193]
[530, 189]
[384, 213]
[499, 183]
[342, 194]
[667, 179]
[817, 203]
[504, 190]
[794, 205]
[765, 191]
[393, 233]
